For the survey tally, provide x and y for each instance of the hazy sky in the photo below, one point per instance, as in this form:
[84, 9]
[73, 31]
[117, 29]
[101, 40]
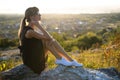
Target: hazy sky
[61, 6]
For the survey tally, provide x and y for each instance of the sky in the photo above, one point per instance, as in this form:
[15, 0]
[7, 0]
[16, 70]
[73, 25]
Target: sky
[60, 6]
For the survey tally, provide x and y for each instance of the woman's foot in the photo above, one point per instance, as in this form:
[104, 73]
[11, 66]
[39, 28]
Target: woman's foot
[63, 62]
[75, 63]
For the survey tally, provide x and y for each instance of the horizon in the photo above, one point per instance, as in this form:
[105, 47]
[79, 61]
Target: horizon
[61, 13]
[61, 6]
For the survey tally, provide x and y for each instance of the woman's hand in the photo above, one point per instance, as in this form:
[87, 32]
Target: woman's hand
[37, 24]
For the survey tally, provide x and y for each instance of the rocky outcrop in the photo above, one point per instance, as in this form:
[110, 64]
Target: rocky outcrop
[61, 72]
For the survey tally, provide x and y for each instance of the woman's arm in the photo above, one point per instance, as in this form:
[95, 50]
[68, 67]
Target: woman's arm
[32, 33]
[50, 39]
[36, 23]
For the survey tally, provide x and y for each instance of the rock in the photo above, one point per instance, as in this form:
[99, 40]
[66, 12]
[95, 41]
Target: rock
[61, 72]
[111, 72]
[10, 54]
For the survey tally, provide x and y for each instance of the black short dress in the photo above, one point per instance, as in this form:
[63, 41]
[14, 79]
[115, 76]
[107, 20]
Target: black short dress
[32, 51]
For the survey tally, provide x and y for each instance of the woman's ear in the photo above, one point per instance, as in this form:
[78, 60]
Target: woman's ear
[31, 18]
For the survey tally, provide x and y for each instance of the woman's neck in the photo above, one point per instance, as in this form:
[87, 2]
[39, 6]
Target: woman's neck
[30, 25]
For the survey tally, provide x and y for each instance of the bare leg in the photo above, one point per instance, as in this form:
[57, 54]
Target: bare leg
[61, 51]
[51, 49]
[55, 48]
[56, 45]
[54, 52]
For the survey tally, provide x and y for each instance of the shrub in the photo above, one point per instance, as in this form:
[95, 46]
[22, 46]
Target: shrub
[86, 41]
[4, 42]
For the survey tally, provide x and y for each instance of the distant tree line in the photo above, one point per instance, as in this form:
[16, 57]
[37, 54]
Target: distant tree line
[7, 43]
[83, 41]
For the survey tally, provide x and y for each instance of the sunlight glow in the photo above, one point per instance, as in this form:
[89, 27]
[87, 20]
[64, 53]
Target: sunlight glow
[61, 6]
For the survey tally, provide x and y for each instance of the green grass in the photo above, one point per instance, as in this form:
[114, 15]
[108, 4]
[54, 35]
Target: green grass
[99, 59]
[8, 64]
[89, 58]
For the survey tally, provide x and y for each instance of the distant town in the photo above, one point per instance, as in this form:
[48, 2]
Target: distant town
[74, 23]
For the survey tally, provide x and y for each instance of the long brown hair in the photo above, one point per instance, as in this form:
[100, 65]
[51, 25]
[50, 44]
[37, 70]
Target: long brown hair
[31, 11]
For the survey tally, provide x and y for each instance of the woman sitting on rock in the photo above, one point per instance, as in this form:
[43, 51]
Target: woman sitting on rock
[34, 45]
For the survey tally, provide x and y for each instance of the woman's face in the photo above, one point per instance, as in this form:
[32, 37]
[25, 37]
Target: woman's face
[36, 17]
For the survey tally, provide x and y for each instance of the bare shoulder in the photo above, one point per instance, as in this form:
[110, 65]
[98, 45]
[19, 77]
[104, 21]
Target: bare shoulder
[29, 33]
[34, 34]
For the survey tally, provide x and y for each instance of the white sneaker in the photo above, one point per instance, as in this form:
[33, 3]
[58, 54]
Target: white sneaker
[63, 62]
[75, 63]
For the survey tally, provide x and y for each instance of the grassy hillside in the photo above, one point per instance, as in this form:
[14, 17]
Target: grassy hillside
[91, 39]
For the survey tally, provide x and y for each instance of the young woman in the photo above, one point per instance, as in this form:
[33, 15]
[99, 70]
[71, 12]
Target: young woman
[34, 45]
